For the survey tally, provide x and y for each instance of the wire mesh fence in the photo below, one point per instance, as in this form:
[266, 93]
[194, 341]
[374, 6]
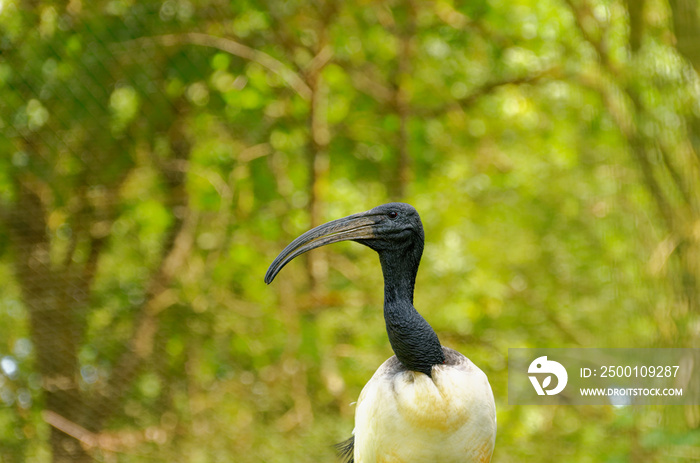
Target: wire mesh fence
[157, 155]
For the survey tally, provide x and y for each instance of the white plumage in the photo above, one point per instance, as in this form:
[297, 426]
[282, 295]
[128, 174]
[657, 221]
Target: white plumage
[405, 416]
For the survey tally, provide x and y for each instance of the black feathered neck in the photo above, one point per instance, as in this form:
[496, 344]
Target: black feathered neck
[413, 340]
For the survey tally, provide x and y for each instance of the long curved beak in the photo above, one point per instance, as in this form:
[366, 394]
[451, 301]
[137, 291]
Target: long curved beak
[354, 227]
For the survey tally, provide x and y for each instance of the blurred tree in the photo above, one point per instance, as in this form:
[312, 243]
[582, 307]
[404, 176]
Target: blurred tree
[75, 139]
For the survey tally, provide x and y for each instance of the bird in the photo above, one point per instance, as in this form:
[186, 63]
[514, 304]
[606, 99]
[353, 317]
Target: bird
[426, 403]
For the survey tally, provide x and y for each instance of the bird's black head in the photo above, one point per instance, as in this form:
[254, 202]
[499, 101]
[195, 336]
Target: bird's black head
[393, 228]
[398, 227]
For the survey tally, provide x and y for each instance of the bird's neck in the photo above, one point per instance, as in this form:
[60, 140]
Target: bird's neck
[413, 340]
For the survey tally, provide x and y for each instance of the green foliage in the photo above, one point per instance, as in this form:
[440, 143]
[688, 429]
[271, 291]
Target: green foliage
[158, 155]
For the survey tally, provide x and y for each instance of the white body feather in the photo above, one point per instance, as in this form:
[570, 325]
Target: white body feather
[404, 416]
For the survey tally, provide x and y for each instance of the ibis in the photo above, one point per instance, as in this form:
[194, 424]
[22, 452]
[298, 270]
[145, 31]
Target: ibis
[427, 403]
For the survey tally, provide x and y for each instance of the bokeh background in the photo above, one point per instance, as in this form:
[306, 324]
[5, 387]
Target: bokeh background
[156, 156]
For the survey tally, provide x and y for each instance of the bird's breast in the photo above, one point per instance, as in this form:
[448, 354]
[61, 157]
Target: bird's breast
[405, 416]
[441, 402]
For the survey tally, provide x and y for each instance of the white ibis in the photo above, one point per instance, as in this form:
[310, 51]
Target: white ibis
[427, 403]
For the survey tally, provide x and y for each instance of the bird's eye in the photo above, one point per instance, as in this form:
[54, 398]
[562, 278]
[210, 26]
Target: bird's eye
[393, 214]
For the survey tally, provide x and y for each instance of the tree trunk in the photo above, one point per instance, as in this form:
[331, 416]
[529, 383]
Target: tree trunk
[53, 321]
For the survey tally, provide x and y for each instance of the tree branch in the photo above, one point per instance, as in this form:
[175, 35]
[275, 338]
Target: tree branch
[486, 89]
[293, 80]
[582, 16]
[176, 248]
